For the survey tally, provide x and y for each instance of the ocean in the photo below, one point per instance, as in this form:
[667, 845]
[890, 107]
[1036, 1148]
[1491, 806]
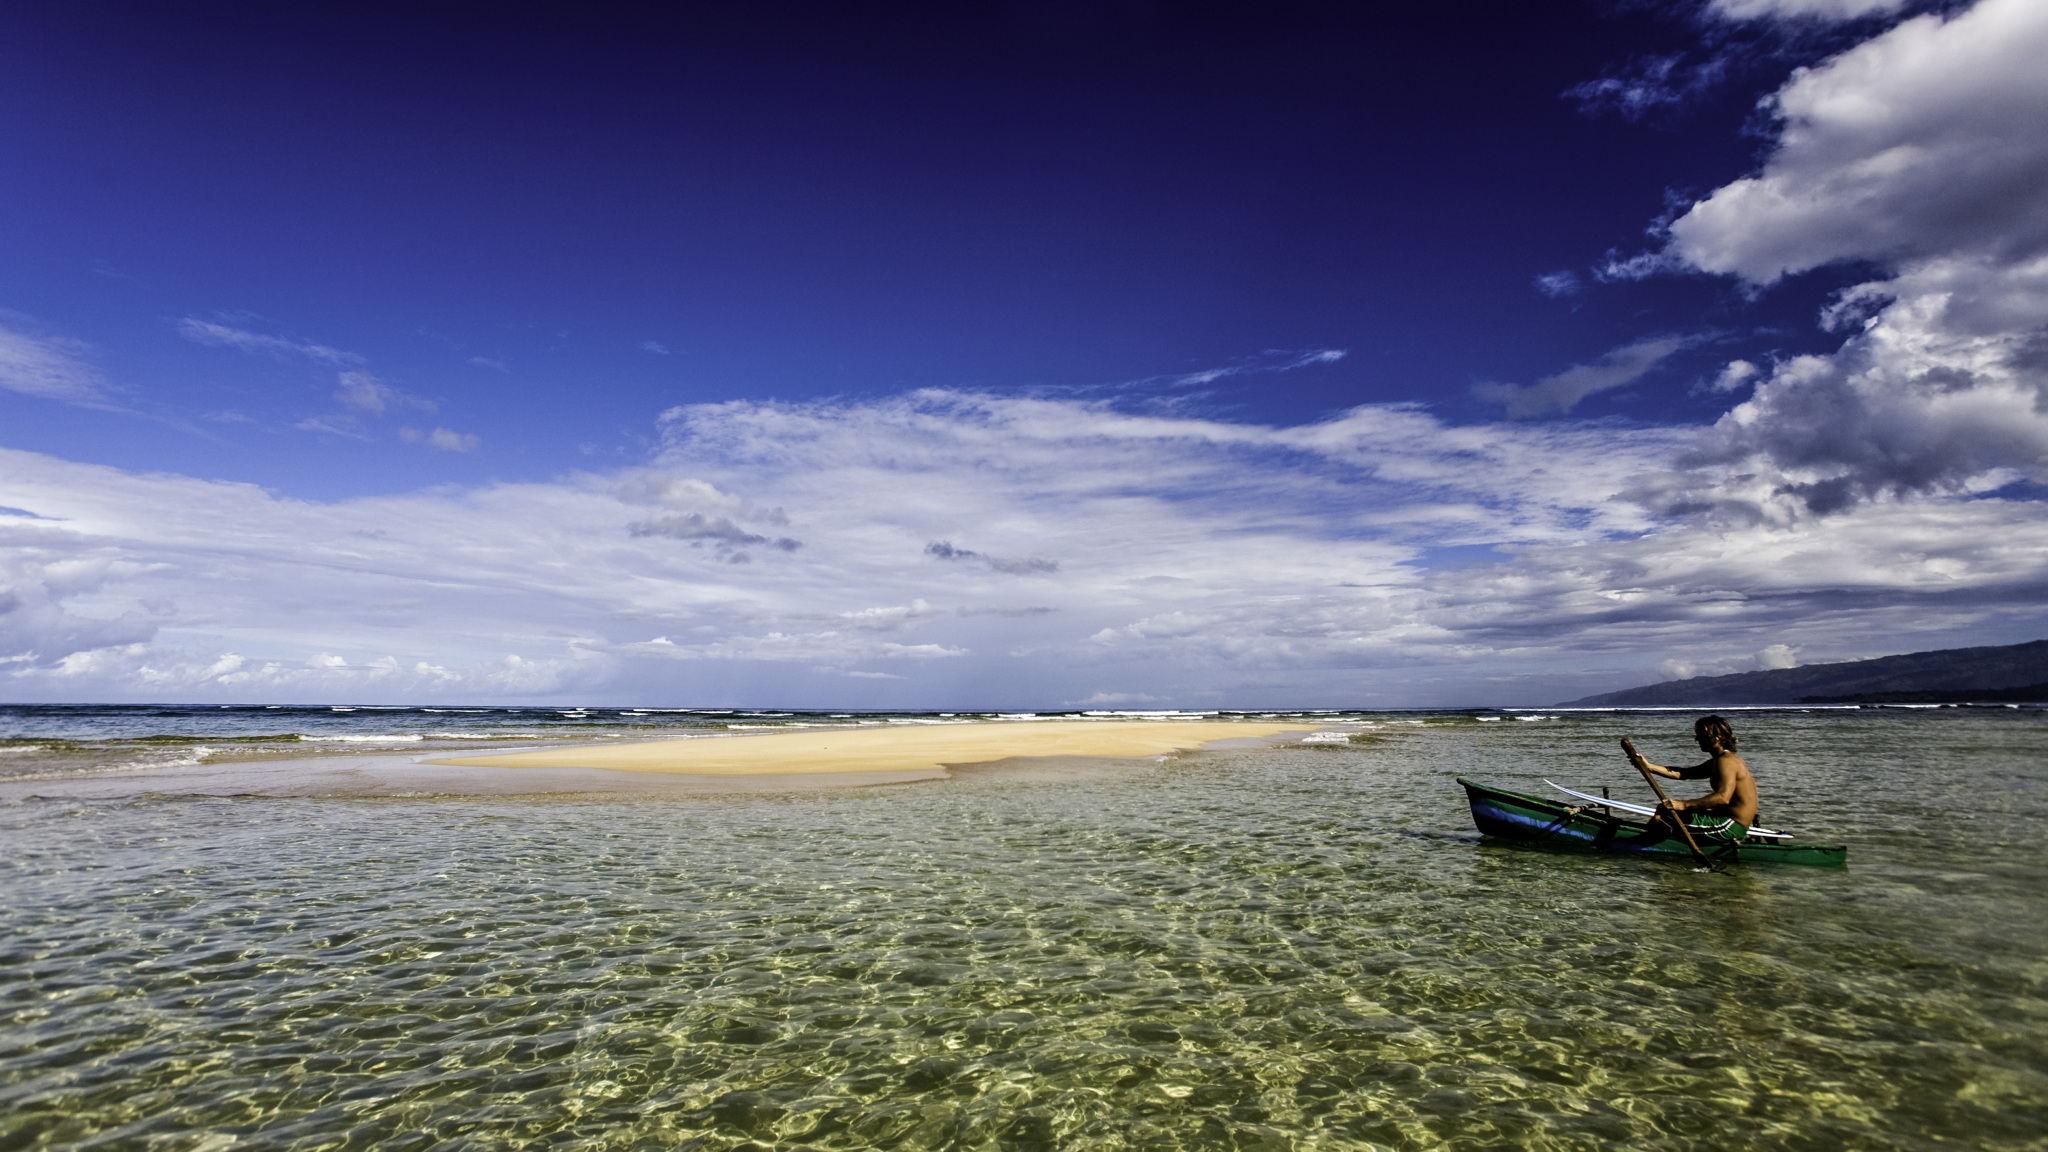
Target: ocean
[1275, 948]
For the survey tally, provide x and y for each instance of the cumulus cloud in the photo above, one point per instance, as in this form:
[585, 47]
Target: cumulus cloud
[1775, 656]
[1921, 143]
[688, 493]
[695, 511]
[1734, 375]
[1919, 152]
[1563, 391]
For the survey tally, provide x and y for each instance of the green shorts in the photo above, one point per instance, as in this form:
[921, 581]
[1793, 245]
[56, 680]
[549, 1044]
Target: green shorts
[1722, 830]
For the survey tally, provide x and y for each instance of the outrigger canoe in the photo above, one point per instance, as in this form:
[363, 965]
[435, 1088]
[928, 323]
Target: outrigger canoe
[1600, 826]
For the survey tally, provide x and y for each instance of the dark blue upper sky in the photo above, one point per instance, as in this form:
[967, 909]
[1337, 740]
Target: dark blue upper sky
[1118, 352]
[552, 222]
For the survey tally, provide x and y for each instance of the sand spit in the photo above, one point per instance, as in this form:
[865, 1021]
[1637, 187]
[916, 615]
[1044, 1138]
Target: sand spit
[803, 760]
[925, 748]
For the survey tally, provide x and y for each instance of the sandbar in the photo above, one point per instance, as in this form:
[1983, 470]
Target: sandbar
[894, 749]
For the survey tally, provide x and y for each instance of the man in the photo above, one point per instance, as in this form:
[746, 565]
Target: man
[1725, 813]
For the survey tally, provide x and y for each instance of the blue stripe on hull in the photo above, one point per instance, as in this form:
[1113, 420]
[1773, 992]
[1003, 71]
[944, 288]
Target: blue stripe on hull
[1613, 836]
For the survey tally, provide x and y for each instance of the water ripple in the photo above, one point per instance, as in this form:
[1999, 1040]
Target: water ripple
[1272, 949]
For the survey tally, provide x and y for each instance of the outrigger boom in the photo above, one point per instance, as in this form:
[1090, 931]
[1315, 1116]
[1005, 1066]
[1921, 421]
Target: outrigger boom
[1756, 832]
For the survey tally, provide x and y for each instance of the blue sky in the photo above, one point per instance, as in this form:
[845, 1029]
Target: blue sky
[1012, 355]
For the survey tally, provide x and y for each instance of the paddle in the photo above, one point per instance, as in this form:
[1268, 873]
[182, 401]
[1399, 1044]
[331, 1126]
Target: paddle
[1636, 758]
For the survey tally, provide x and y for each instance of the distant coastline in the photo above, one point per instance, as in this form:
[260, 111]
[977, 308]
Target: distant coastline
[2011, 673]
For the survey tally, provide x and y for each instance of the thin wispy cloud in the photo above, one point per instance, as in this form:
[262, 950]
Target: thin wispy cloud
[441, 438]
[49, 368]
[1562, 391]
[1274, 360]
[365, 393]
[1803, 9]
[1650, 86]
[1024, 566]
[219, 335]
[364, 398]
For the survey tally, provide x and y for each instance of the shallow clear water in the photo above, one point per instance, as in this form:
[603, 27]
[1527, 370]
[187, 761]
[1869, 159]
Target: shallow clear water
[1288, 948]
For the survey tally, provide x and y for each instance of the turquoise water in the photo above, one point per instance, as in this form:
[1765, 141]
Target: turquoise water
[1286, 948]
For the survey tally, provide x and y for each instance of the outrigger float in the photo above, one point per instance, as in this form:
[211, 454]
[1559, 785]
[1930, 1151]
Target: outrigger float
[1597, 824]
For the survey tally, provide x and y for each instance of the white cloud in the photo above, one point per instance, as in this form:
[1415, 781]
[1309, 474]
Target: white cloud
[50, 368]
[366, 393]
[1561, 392]
[1734, 375]
[890, 618]
[337, 424]
[1803, 9]
[1923, 142]
[360, 394]
[1101, 699]
[441, 438]
[1770, 657]
[1777, 656]
[1274, 360]
[1920, 151]
[689, 494]
[1201, 562]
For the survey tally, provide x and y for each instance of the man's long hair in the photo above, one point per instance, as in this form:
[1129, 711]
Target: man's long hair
[1712, 730]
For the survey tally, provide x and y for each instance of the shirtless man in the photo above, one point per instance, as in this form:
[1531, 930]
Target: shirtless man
[1731, 807]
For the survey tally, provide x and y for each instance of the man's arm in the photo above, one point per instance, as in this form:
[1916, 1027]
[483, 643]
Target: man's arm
[1722, 796]
[1696, 772]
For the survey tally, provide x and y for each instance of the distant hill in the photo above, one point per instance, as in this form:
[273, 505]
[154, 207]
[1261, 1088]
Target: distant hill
[1950, 675]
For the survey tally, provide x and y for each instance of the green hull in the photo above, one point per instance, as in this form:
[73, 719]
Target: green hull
[1514, 816]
